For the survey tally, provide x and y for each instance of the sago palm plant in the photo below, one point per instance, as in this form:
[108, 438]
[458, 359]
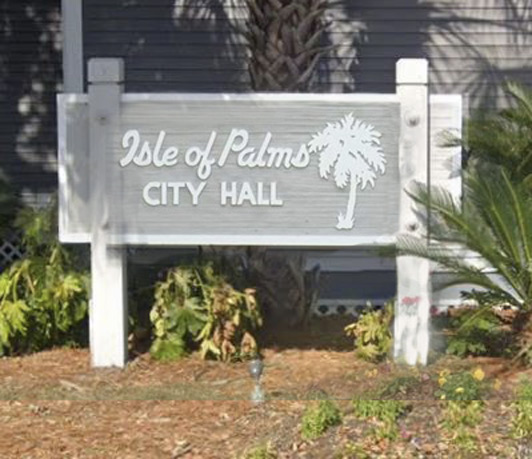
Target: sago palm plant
[504, 138]
[494, 221]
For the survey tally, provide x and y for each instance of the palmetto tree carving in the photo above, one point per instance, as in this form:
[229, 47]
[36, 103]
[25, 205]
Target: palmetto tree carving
[352, 149]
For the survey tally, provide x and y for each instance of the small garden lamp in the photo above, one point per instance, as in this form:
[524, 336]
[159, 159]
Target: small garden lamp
[256, 367]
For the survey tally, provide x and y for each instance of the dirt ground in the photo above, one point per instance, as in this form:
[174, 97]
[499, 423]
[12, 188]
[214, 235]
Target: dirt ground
[54, 405]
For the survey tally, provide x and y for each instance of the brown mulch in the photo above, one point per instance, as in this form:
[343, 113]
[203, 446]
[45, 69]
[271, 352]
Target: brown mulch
[54, 405]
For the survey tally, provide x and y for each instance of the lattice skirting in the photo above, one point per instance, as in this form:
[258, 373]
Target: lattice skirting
[10, 250]
[327, 307]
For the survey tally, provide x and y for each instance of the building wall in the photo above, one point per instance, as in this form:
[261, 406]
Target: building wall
[198, 45]
[30, 76]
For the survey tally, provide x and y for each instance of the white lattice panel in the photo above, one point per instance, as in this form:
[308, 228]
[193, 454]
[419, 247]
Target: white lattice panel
[10, 250]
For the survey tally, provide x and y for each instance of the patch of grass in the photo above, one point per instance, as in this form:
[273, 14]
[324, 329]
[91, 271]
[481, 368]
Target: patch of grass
[459, 419]
[522, 406]
[352, 450]
[384, 413]
[262, 451]
[318, 417]
[399, 386]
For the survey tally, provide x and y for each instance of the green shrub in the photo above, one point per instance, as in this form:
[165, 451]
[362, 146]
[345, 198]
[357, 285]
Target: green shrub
[477, 332]
[459, 419]
[195, 304]
[318, 417]
[384, 412]
[373, 338]
[44, 296]
[505, 138]
[522, 419]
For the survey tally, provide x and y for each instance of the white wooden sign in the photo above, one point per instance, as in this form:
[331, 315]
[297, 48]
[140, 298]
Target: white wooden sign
[244, 169]
[285, 170]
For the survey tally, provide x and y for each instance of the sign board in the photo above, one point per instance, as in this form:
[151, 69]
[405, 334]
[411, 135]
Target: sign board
[240, 169]
[243, 169]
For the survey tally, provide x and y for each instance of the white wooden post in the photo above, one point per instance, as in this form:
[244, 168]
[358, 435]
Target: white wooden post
[412, 309]
[108, 310]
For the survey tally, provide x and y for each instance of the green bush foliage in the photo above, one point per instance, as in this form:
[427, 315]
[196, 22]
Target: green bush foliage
[195, 304]
[318, 417]
[372, 334]
[478, 332]
[44, 296]
[505, 138]
[522, 406]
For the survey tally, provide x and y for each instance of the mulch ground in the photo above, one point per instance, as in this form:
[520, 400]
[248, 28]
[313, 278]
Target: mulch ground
[54, 405]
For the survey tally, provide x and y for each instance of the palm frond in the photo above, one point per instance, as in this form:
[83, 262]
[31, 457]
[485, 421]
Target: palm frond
[494, 222]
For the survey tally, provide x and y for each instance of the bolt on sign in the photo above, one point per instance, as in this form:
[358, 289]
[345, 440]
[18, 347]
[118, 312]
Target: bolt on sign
[249, 169]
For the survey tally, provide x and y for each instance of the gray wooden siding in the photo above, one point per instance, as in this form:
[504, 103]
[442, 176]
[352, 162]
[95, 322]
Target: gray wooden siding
[30, 76]
[197, 45]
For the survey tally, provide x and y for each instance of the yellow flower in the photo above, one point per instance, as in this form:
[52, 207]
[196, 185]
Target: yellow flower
[478, 374]
[444, 373]
[459, 390]
[371, 373]
[497, 384]
[442, 397]
[442, 381]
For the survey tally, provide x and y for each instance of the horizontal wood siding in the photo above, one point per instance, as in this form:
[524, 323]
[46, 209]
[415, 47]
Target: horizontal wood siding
[198, 45]
[30, 76]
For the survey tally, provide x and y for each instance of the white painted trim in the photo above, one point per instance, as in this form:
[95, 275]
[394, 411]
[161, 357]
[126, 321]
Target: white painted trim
[273, 97]
[74, 238]
[280, 240]
[63, 224]
[61, 167]
[72, 29]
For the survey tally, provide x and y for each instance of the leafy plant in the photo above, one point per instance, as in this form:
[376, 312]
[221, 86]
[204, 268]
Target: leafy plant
[373, 338]
[195, 304]
[477, 332]
[318, 417]
[44, 296]
[522, 405]
[459, 419]
[385, 412]
[464, 385]
[505, 138]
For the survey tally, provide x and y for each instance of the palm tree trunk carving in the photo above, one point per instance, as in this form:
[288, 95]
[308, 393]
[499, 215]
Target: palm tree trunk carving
[284, 38]
[347, 220]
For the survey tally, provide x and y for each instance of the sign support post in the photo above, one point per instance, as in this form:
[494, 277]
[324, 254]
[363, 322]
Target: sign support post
[411, 334]
[108, 306]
